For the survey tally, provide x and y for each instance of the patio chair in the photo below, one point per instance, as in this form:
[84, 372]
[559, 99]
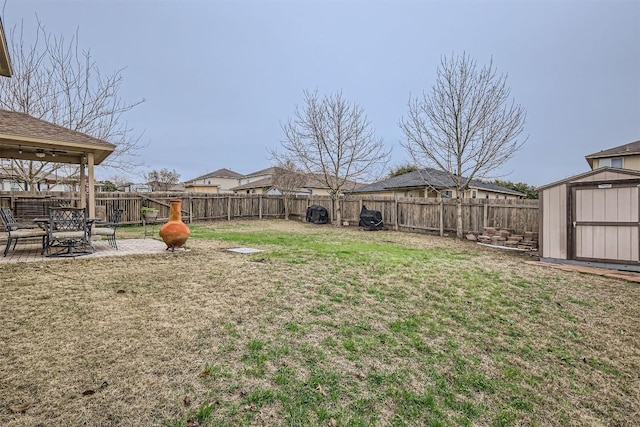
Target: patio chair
[17, 230]
[68, 229]
[109, 229]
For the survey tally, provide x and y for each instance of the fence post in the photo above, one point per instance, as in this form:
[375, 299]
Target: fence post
[441, 217]
[485, 214]
[260, 206]
[190, 209]
[229, 208]
[395, 222]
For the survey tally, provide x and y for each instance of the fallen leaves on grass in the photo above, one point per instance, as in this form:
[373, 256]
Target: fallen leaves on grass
[321, 389]
[89, 392]
[16, 409]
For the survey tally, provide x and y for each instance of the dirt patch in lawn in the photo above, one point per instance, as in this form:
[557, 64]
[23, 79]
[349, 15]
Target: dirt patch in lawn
[426, 329]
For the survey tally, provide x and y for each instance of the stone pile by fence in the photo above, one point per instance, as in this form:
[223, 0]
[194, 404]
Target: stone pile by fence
[506, 237]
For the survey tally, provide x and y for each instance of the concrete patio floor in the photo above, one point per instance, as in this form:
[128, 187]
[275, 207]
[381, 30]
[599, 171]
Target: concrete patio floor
[26, 251]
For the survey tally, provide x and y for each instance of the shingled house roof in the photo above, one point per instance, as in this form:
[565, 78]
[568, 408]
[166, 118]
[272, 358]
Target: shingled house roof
[439, 180]
[313, 181]
[22, 136]
[632, 148]
[220, 173]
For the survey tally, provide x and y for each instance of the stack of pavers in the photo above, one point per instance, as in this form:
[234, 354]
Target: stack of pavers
[504, 237]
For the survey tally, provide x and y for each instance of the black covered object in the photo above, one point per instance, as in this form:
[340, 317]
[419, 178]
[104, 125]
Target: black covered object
[371, 220]
[317, 214]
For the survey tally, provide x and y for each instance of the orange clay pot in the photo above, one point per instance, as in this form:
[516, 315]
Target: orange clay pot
[175, 232]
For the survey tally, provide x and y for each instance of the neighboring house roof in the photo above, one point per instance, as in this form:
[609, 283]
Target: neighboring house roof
[632, 148]
[430, 177]
[268, 171]
[261, 183]
[313, 181]
[220, 173]
[21, 136]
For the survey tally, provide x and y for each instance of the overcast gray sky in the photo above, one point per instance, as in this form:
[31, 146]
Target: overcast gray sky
[220, 76]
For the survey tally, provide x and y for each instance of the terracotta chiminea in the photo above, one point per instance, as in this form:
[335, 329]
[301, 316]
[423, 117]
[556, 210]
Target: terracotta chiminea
[175, 232]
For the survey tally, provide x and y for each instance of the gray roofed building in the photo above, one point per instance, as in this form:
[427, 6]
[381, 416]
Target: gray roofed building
[430, 182]
[626, 156]
[218, 181]
[220, 173]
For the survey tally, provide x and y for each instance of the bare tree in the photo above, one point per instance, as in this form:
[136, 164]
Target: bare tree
[333, 139]
[56, 81]
[119, 180]
[465, 126]
[289, 180]
[162, 180]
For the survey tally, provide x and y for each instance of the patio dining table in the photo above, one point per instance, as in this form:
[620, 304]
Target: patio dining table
[69, 244]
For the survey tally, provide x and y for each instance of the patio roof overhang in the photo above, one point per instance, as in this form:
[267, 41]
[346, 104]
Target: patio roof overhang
[5, 60]
[24, 137]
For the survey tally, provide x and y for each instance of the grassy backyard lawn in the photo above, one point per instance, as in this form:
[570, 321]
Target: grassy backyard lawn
[325, 327]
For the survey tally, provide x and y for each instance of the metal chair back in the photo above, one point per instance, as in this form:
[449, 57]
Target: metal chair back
[67, 219]
[8, 220]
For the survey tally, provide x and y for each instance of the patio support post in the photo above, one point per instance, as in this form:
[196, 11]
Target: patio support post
[83, 184]
[92, 187]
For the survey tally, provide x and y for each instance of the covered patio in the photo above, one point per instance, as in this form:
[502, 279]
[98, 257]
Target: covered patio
[23, 137]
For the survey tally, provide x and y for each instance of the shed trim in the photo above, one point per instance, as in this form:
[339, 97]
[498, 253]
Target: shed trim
[589, 173]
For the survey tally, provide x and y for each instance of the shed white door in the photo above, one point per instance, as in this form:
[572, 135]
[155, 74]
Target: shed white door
[606, 224]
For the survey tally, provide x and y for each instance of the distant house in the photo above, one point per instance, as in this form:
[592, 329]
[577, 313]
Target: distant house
[10, 181]
[220, 181]
[434, 183]
[625, 156]
[131, 187]
[262, 182]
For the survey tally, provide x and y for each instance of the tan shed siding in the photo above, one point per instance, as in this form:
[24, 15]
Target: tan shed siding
[619, 243]
[554, 244]
[604, 176]
[607, 243]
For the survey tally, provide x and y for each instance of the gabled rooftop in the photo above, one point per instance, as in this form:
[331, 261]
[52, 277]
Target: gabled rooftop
[220, 173]
[437, 179]
[23, 136]
[632, 148]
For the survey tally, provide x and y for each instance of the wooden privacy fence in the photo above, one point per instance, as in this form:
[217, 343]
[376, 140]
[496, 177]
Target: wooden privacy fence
[406, 214]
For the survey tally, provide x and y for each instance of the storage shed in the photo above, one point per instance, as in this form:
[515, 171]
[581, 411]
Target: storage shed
[592, 219]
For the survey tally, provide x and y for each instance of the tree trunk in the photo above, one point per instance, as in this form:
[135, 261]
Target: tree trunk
[459, 230]
[338, 211]
[286, 206]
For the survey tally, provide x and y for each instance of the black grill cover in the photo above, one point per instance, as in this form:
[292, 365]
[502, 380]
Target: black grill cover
[317, 214]
[371, 220]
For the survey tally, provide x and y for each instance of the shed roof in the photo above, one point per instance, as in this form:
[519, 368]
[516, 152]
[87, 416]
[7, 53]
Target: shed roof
[429, 177]
[631, 173]
[23, 137]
